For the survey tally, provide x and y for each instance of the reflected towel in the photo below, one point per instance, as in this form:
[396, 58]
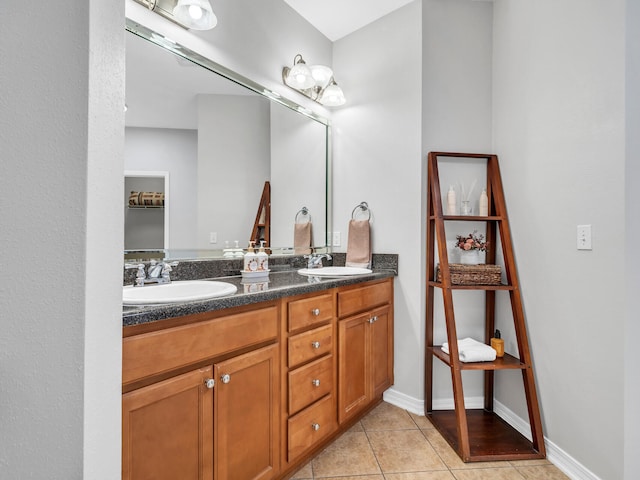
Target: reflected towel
[359, 244]
[470, 350]
[302, 238]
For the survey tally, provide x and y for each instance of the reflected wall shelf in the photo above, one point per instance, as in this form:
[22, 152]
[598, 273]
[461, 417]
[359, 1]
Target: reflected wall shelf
[477, 435]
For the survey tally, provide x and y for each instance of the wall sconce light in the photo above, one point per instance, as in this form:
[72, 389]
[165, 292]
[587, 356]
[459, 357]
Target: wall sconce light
[315, 82]
[191, 14]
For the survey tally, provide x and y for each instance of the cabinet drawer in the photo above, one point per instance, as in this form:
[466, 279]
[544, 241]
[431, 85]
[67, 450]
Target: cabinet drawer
[310, 311]
[311, 425]
[358, 299]
[309, 383]
[309, 345]
[165, 350]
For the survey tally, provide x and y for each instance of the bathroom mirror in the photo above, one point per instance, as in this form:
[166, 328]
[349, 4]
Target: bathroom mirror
[215, 138]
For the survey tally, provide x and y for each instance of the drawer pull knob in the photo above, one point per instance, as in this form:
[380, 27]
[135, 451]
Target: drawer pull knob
[210, 383]
[315, 382]
[373, 319]
[315, 344]
[315, 426]
[315, 312]
[226, 378]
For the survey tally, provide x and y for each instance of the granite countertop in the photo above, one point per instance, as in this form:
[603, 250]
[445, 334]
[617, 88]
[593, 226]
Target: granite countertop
[278, 284]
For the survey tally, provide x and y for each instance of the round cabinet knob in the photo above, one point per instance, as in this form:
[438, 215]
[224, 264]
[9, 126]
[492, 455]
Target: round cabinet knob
[226, 378]
[315, 312]
[315, 382]
[375, 318]
[315, 426]
[210, 383]
[315, 344]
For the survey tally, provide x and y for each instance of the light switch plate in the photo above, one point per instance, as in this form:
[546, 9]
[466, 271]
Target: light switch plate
[213, 237]
[336, 239]
[584, 237]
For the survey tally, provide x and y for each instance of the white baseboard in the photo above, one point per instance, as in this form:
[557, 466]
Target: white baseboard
[561, 459]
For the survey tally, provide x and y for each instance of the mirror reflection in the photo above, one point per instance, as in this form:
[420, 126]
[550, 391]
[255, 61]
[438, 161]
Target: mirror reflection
[200, 149]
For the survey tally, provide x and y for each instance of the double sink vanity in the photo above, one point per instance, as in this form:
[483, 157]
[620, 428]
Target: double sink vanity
[225, 378]
[251, 385]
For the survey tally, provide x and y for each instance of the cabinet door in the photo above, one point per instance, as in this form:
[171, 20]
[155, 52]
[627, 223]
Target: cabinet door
[353, 367]
[381, 351]
[167, 429]
[246, 427]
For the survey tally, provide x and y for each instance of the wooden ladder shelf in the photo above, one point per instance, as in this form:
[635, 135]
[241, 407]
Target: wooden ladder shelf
[477, 435]
[262, 225]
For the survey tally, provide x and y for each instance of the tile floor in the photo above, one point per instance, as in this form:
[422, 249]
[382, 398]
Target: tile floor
[392, 444]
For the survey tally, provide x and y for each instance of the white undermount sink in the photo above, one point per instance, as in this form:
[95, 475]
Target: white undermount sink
[333, 271]
[176, 292]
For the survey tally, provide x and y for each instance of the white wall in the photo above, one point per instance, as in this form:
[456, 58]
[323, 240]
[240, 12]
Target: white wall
[298, 172]
[174, 151]
[632, 261]
[61, 136]
[456, 117]
[233, 164]
[559, 129]
[377, 159]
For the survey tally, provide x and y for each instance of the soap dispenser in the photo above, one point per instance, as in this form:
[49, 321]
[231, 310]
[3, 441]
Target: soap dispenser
[497, 344]
[263, 258]
[251, 259]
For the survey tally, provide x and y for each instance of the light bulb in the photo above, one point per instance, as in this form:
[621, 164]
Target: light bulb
[195, 11]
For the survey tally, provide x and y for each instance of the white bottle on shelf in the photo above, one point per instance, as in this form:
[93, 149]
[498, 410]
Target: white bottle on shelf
[483, 204]
[451, 201]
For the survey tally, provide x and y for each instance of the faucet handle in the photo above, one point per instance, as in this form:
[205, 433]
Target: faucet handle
[140, 274]
[167, 268]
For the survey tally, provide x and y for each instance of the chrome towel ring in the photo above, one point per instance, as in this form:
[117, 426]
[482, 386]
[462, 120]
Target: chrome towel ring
[363, 207]
[304, 211]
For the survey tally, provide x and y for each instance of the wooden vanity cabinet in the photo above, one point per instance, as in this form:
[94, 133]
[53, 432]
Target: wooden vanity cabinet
[365, 346]
[309, 375]
[253, 392]
[218, 421]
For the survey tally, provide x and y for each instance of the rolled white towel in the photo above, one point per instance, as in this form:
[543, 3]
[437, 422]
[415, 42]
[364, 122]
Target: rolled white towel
[470, 350]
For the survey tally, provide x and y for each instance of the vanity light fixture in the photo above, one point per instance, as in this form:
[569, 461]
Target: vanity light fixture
[191, 14]
[315, 82]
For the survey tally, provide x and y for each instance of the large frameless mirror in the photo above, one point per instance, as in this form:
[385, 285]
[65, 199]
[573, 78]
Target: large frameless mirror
[203, 145]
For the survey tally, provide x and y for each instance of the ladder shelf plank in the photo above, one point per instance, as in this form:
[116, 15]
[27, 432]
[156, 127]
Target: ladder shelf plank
[502, 286]
[490, 437]
[508, 362]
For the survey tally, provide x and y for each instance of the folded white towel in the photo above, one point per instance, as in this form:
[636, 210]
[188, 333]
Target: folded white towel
[470, 350]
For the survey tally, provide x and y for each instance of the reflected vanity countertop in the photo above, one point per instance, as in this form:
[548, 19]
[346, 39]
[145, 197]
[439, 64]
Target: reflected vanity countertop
[277, 285]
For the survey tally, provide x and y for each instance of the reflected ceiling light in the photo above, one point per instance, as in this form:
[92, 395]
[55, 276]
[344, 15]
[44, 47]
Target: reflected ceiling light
[192, 14]
[315, 82]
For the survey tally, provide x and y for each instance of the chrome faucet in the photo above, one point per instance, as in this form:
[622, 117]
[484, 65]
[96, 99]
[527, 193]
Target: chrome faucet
[159, 273]
[315, 260]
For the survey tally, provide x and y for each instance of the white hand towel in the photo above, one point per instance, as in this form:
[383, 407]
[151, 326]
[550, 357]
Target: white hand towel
[470, 350]
[359, 244]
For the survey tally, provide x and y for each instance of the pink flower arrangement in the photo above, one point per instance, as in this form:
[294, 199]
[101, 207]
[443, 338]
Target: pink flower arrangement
[473, 241]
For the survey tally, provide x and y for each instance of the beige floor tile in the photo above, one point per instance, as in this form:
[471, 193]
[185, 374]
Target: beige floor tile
[506, 473]
[451, 458]
[387, 417]
[305, 473]
[357, 477]
[543, 472]
[440, 475]
[356, 428]
[404, 451]
[422, 421]
[350, 454]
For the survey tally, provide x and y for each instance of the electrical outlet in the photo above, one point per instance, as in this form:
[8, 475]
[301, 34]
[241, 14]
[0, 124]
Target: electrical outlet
[584, 237]
[336, 239]
[213, 237]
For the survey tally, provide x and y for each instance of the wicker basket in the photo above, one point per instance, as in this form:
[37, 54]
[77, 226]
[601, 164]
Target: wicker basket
[472, 274]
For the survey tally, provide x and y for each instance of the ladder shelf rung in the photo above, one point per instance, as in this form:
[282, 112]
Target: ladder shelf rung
[508, 362]
[502, 286]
